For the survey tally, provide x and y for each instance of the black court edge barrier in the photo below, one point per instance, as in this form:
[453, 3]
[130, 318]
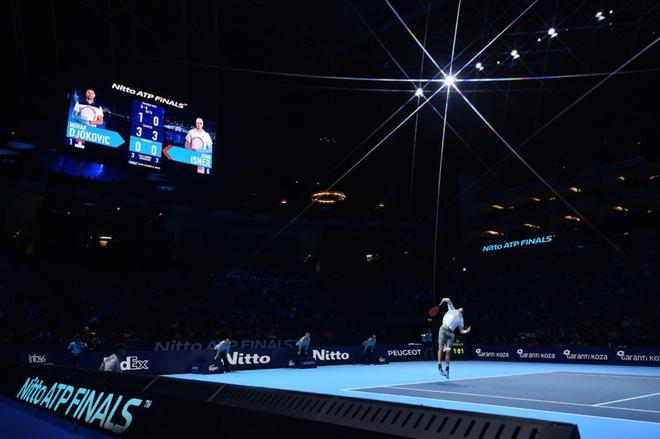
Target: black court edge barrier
[125, 405]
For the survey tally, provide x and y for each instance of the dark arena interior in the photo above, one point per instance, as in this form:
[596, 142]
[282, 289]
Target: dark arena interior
[350, 218]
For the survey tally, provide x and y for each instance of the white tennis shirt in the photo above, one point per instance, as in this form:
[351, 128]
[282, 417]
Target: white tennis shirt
[452, 318]
[208, 143]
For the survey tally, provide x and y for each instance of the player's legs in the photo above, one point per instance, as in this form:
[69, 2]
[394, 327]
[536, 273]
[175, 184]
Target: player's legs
[225, 362]
[302, 353]
[443, 339]
[441, 344]
[450, 341]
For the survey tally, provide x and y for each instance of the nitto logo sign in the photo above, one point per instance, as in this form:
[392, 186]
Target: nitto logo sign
[240, 358]
[584, 357]
[641, 358]
[535, 355]
[110, 411]
[175, 345]
[404, 352]
[147, 95]
[36, 359]
[522, 243]
[490, 354]
[133, 363]
[324, 355]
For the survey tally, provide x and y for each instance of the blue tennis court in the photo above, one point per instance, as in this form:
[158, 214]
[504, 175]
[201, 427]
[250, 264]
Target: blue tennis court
[633, 397]
[604, 401]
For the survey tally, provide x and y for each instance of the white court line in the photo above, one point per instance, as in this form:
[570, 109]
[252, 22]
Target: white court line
[351, 389]
[524, 399]
[514, 408]
[626, 399]
[611, 375]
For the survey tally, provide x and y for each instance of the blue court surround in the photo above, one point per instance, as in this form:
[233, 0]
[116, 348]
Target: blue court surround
[18, 421]
[604, 401]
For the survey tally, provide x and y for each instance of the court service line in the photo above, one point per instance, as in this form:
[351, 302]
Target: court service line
[612, 375]
[626, 399]
[383, 395]
[523, 399]
[351, 389]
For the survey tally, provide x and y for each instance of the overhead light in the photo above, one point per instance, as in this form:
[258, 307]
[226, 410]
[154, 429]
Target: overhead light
[575, 189]
[283, 201]
[531, 226]
[620, 209]
[479, 66]
[449, 80]
[464, 269]
[497, 206]
[419, 92]
[621, 178]
[653, 177]
[536, 199]
[492, 233]
[552, 32]
[104, 240]
[328, 197]
[515, 54]
[572, 218]
[600, 16]
[381, 204]
[538, 39]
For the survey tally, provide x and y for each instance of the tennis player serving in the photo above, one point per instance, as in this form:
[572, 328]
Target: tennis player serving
[452, 319]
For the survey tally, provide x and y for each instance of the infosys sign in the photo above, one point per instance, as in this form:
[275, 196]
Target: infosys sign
[630, 356]
[110, 411]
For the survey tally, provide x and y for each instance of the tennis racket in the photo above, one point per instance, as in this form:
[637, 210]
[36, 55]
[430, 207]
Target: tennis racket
[88, 113]
[197, 144]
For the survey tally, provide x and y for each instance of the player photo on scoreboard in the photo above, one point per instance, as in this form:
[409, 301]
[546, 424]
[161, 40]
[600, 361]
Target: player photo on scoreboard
[198, 139]
[87, 110]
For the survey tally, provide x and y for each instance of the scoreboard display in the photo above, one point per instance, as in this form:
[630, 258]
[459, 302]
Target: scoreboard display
[145, 129]
[145, 145]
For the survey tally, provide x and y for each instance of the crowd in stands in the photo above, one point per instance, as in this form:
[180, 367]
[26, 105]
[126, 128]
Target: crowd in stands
[596, 297]
[579, 297]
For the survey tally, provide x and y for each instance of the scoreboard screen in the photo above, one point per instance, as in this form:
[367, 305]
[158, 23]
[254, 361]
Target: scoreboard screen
[145, 129]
